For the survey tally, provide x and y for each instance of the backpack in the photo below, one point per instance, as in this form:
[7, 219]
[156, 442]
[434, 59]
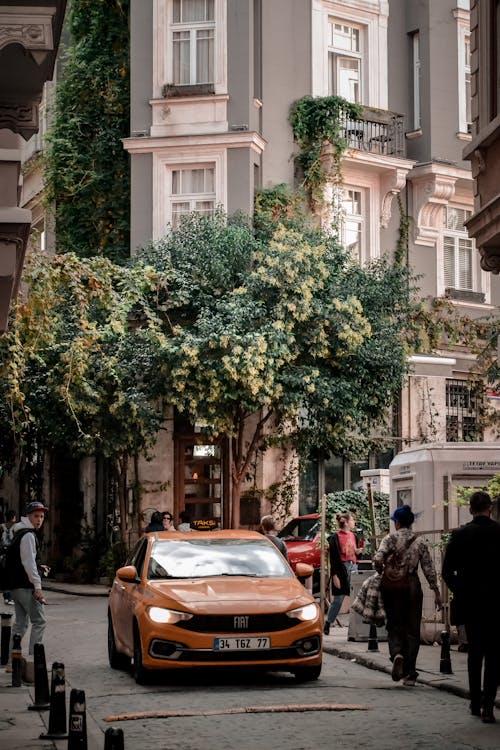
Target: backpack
[7, 555]
[396, 574]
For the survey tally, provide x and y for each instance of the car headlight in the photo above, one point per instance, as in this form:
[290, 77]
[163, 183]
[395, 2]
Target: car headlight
[170, 616]
[306, 613]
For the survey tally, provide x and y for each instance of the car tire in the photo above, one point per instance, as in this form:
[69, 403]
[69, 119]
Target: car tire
[116, 659]
[307, 674]
[141, 674]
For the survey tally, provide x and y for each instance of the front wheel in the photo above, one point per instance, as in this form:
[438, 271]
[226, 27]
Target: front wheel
[141, 674]
[116, 659]
[307, 674]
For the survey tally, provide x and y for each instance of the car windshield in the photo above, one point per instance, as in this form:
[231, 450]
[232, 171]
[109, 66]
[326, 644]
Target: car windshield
[202, 558]
[304, 529]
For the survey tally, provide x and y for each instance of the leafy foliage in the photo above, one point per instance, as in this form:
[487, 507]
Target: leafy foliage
[74, 369]
[87, 173]
[316, 121]
[286, 335]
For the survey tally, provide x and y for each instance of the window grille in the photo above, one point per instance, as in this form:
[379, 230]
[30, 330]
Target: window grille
[463, 410]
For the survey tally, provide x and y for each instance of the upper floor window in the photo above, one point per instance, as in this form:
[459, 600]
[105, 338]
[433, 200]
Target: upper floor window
[463, 410]
[458, 250]
[345, 58]
[193, 40]
[349, 219]
[351, 224]
[467, 83]
[192, 190]
[415, 39]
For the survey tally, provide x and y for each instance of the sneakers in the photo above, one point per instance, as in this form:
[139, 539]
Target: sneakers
[409, 681]
[487, 716]
[397, 668]
[9, 601]
[326, 628]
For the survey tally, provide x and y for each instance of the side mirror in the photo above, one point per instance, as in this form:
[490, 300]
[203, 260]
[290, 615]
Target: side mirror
[303, 570]
[128, 573]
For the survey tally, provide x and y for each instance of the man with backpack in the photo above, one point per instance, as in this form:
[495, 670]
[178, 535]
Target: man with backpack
[397, 559]
[24, 571]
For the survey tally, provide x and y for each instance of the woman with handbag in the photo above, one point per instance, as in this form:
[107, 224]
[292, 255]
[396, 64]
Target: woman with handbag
[397, 559]
[343, 550]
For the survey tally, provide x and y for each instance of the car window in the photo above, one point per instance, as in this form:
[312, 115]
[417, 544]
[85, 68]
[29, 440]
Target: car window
[202, 558]
[137, 555]
[300, 528]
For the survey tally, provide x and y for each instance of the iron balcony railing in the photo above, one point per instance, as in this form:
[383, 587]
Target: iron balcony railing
[376, 131]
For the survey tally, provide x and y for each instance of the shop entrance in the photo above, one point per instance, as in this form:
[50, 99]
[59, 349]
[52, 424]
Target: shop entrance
[200, 486]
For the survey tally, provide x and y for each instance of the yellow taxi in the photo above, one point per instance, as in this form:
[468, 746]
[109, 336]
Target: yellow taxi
[212, 599]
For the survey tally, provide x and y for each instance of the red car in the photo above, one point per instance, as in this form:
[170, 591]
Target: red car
[302, 538]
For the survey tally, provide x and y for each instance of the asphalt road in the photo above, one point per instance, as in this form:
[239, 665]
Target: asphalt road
[392, 716]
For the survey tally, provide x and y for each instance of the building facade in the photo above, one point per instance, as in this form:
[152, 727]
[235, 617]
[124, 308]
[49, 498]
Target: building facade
[29, 38]
[212, 85]
[484, 149]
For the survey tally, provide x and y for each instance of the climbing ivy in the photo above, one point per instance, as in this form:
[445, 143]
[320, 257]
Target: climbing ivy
[317, 121]
[87, 172]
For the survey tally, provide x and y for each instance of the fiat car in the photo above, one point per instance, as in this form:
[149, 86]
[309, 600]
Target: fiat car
[212, 599]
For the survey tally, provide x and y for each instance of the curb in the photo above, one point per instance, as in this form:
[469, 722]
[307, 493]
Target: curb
[62, 589]
[371, 664]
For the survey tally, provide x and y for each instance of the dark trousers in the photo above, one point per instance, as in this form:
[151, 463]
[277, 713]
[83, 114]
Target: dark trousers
[484, 647]
[404, 613]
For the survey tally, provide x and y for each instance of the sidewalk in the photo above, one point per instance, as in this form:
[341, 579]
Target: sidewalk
[428, 662]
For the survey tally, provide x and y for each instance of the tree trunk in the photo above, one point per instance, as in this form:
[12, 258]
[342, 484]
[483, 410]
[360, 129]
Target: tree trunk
[242, 454]
[122, 468]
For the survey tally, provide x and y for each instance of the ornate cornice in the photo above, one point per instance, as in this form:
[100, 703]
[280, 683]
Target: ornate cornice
[490, 259]
[31, 27]
[433, 189]
[20, 117]
[391, 186]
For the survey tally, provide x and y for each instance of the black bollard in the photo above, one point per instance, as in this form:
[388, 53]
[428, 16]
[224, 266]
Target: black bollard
[57, 715]
[17, 661]
[445, 663]
[5, 638]
[42, 695]
[113, 739]
[77, 725]
[373, 638]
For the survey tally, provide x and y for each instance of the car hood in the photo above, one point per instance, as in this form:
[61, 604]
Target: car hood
[211, 594]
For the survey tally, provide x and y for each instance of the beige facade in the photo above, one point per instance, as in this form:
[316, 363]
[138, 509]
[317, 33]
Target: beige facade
[212, 87]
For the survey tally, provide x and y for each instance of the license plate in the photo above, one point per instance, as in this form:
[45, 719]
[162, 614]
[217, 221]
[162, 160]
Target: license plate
[242, 644]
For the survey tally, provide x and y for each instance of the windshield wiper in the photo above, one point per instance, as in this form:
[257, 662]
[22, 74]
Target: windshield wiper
[231, 575]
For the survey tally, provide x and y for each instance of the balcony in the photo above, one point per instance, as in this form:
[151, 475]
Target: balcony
[376, 131]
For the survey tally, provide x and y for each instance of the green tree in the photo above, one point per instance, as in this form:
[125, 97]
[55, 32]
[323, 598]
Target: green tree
[87, 172]
[278, 338]
[74, 363]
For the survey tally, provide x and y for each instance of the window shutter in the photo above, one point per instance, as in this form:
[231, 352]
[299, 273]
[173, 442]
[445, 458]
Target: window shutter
[449, 261]
[465, 264]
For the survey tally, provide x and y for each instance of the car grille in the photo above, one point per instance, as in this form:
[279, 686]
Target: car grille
[228, 623]
[178, 652]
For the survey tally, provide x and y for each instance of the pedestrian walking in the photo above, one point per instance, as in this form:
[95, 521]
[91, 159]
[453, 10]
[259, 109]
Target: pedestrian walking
[268, 528]
[25, 571]
[470, 570]
[344, 549]
[155, 522]
[398, 559]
